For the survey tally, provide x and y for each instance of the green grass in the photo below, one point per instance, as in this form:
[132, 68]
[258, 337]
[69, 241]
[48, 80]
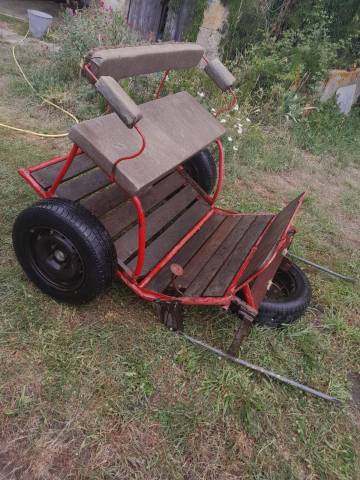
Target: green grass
[102, 391]
[327, 131]
[14, 24]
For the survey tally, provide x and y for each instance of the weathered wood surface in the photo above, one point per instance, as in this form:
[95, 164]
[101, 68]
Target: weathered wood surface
[46, 176]
[127, 244]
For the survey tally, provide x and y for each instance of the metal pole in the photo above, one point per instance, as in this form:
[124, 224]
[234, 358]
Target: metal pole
[261, 370]
[324, 269]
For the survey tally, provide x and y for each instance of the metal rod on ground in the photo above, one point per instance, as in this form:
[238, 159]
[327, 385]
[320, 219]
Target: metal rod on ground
[261, 370]
[324, 269]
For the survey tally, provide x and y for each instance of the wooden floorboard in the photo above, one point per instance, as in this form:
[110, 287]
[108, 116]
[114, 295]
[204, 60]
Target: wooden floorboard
[219, 257]
[162, 280]
[205, 253]
[46, 176]
[121, 217]
[83, 185]
[171, 236]
[127, 244]
[223, 278]
[104, 200]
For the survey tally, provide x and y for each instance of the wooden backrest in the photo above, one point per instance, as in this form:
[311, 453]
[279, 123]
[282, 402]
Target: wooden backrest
[139, 60]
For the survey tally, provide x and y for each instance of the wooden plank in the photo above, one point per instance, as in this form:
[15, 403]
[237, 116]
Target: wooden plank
[206, 252]
[124, 215]
[171, 236]
[47, 175]
[219, 257]
[175, 128]
[271, 237]
[83, 185]
[104, 200]
[231, 266]
[164, 277]
[127, 244]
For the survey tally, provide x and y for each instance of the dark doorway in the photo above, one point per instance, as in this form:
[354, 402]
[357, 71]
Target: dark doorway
[163, 19]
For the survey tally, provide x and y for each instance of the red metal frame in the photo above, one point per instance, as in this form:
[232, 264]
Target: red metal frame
[134, 280]
[130, 157]
[230, 106]
[162, 82]
[141, 235]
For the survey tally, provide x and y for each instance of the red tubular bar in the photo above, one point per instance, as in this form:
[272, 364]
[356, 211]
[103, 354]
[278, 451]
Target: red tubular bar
[132, 156]
[73, 152]
[161, 86]
[175, 249]
[234, 284]
[281, 244]
[230, 106]
[248, 297]
[47, 163]
[90, 73]
[153, 296]
[26, 175]
[141, 235]
[221, 172]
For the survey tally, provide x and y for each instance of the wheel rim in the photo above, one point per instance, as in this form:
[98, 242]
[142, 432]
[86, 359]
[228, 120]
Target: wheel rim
[56, 259]
[282, 287]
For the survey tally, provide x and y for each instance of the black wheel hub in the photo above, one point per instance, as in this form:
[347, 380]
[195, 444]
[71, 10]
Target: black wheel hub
[56, 258]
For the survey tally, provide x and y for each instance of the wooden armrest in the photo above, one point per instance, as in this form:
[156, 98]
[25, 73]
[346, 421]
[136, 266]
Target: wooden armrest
[119, 100]
[220, 75]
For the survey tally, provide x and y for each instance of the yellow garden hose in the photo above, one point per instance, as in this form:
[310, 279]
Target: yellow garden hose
[47, 135]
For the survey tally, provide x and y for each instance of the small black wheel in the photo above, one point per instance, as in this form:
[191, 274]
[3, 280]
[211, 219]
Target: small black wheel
[287, 299]
[64, 250]
[202, 168]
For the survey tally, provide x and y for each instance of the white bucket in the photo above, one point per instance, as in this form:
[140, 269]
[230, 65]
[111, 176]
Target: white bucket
[39, 23]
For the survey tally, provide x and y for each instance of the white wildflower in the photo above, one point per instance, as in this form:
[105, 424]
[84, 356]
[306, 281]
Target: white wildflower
[248, 120]
[230, 139]
[240, 130]
[213, 110]
[223, 120]
[236, 108]
[235, 148]
[201, 94]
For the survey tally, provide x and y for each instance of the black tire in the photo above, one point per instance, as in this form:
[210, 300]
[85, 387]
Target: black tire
[202, 168]
[64, 250]
[287, 299]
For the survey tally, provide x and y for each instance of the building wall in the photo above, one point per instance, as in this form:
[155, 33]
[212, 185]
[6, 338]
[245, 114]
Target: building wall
[145, 14]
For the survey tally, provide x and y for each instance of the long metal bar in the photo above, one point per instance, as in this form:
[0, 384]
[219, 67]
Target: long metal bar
[72, 154]
[323, 269]
[152, 296]
[228, 107]
[161, 86]
[281, 244]
[141, 235]
[176, 248]
[263, 371]
[220, 173]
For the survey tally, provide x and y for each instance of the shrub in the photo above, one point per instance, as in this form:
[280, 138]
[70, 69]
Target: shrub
[89, 28]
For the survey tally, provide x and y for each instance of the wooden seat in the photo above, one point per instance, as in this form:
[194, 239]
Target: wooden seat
[175, 128]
